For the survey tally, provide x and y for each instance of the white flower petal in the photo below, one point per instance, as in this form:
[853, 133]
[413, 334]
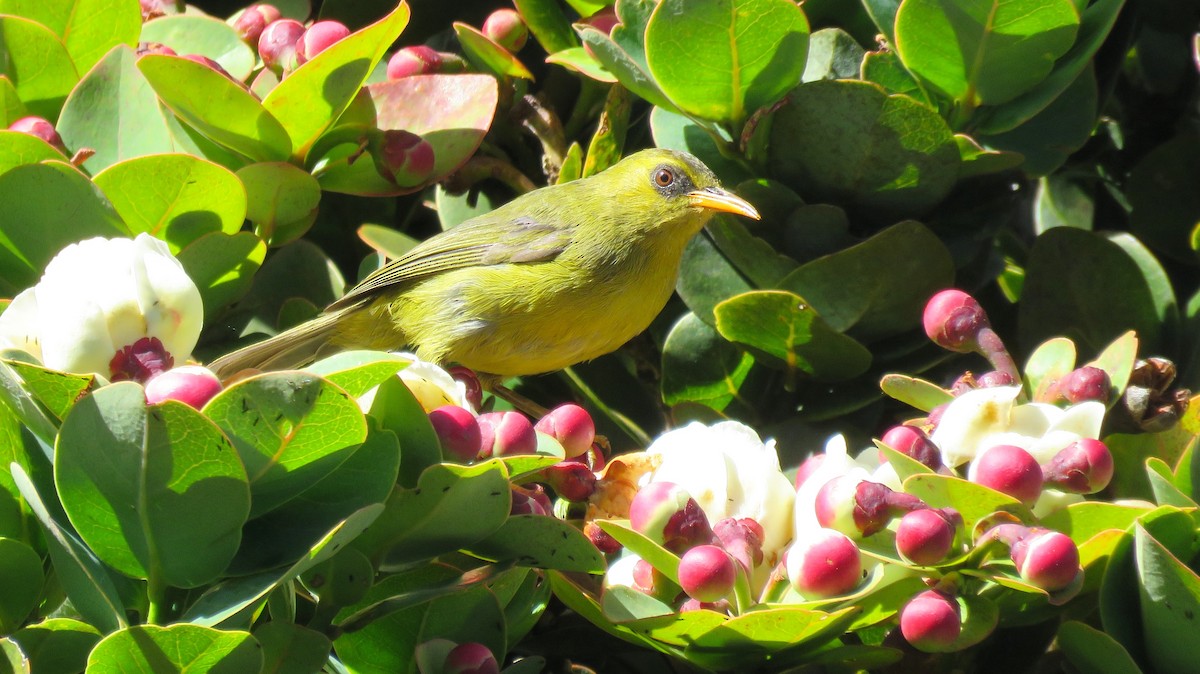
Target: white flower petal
[970, 419]
[19, 324]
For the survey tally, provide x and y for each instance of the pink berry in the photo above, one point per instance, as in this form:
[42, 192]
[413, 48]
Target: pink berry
[953, 320]
[470, 658]
[931, 621]
[408, 156]
[506, 434]
[571, 480]
[458, 433]
[742, 539]
[924, 536]
[193, 385]
[604, 21]
[1085, 383]
[39, 128]
[319, 37]
[707, 573]
[665, 513]
[253, 20]
[277, 44]
[572, 426]
[859, 508]
[1047, 559]
[603, 541]
[824, 564]
[530, 500]
[418, 60]
[506, 28]
[1082, 467]
[467, 377]
[994, 378]
[1011, 470]
[913, 442]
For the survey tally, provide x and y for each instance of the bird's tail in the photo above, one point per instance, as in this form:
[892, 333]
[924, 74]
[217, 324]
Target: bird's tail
[295, 347]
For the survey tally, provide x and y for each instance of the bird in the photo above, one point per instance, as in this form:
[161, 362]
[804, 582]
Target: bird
[557, 276]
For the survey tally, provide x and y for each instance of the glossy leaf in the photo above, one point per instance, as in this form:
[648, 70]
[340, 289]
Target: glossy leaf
[398, 410]
[56, 391]
[190, 648]
[547, 23]
[1090, 649]
[1048, 363]
[1169, 591]
[972, 501]
[918, 393]
[629, 69]
[155, 491]
[676, 132]
[222, 266]
[88, 28]
[542, 542]
[17, 149]
[203, 35]
[488, 56]
[21, 569]
[281, 200]
[37, 63]
[699, 366]
[1165, 210]
[57, 645]
[289, 648]
[1048, 138]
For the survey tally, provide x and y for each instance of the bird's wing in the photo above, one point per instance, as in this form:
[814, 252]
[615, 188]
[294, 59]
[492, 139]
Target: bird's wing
[471, 244]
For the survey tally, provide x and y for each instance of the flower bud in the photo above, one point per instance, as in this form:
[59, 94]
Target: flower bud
[742, 539]
[810, 466]
[825, 563]
[458, 433]
[1008, 469]
[931, 621]
[707, 573]
[531, 500]
[277, 44]
[418, 60]
[407, 157]
[953, 320]
[253, 20]
[604, 542]
[571, 480]
[913, 442]
[140, 361]
[925, 536]
[994, 378]
[1082, 467]
[1085, 383]
[506, 28]
[665, 513]
[39, 128]
[470, 658]
[1047, 559]
[505, 434]
[604, 21]
[645, 577]
[572, 426]
[192, 385]
[319, 37]
[859, 508]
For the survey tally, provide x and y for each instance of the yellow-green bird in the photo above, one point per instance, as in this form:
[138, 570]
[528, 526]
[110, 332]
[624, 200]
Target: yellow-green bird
[555, 277]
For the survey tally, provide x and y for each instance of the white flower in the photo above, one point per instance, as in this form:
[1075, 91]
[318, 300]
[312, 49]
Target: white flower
[730, 472]
[986, 417]
[432, 386]
[837, 462]
[99, 296]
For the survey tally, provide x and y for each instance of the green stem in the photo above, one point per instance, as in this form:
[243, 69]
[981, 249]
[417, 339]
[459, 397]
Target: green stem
[156, 593]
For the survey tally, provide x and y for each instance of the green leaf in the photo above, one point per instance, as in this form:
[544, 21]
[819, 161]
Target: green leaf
[664, 561]
[216, 107]
[281, 200]
[885, 69]
[291, 430]
[18, 148]
[1091, 650]
[21, 569]
[222, 266]
[488, 56]
[1052, 135]
[608, 143]
[174, 197]
[852, 144]
[855, 289]
[1049, 362]
[57, 391]
[1170, 600]
[47, 207]
[628, 69]
[724, 59]
[582, 62]
[292, 649]
[699, 366]
[919, 393]
[786, 329]
[833, 54]
[88, 28]
[1087, 519]
[178, 648]
[114, 111]
[11, 107]
[398, 410]
[203, 35]
[1165, 209]
[984, 51]
[977, 161]
[155, 491]
[310, 100]
[1062, 202]
[1117, 359]
[548, 24]
[676, 132]
[359, 371]
[972, 501]
[542, 542]
[57, 645]
[37, 63]
[1080, 285]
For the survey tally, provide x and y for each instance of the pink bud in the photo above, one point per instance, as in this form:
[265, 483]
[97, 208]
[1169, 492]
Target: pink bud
[193, 385]
[408, 156]
[604, 542]
[571, 480]
[1082, 467]
[665, 513]
[1047, 559]
[807, 469]
[925, 536]
[1085, 383]
[470, 658]
[458, 433]
[467, 377]
[1011, 470]
[913, 442]
[824, 564]
[935, 414]
[604, 21]
[994, 378]
[39, 128]
[506, 434]
[953, 320]
[530, 500]
[418, 60]
[572, 426]
[645, 576]
[506, 28]
[707, 573]
[140, 361]
[742, 539]
[319, 37]
[253, 20]
[931, 621]
[277, 44]
[859, 508]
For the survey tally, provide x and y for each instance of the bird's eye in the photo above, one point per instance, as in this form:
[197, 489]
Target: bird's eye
[663, 177]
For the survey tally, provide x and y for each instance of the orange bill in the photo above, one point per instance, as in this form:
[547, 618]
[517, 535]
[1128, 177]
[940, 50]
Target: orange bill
[718, 199]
